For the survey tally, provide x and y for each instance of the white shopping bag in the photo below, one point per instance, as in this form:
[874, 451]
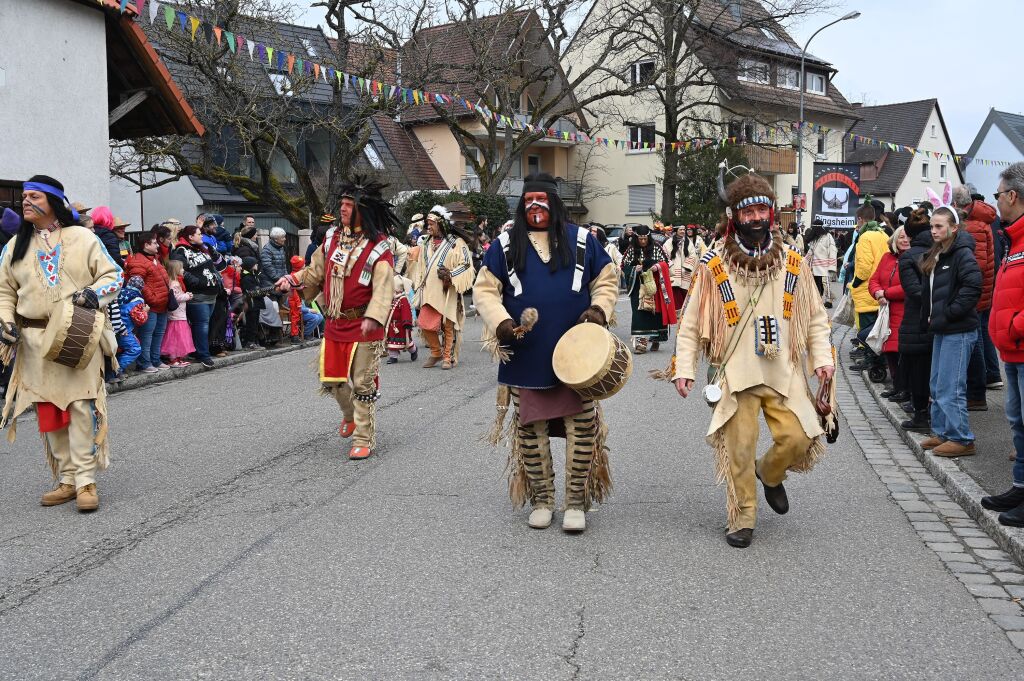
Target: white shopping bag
[880, 331]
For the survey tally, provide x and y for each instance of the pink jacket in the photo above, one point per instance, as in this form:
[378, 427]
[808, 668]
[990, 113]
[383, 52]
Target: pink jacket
[182, 297]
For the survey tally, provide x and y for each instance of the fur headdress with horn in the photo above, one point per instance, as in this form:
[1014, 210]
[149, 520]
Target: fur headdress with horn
[749, 189]
[376, 214]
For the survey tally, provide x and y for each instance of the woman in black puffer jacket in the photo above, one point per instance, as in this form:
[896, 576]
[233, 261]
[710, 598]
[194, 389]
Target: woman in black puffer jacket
[915, 340]
[952, 287]
[203, 281]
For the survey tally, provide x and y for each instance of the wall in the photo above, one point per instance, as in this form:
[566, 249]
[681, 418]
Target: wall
[174, 200]
[54, 96]
[912, 190]
[995, 147]
[444, 151]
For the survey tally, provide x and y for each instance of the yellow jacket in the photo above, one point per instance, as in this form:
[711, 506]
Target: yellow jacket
[871, 246]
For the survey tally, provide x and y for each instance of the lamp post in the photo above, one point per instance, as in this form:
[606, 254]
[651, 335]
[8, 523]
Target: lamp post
[803, 87]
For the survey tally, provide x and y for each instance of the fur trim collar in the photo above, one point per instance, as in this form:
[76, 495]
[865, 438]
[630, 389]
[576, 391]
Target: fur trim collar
[760, 268]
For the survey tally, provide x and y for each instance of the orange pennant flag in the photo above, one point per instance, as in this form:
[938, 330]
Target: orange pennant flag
[291, 62]
[217, 32]
[316, 71]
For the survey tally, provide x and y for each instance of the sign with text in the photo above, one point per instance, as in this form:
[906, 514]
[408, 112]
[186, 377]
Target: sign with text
[836, 194]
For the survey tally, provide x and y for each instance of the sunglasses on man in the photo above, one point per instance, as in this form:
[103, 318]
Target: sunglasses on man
[998, 194]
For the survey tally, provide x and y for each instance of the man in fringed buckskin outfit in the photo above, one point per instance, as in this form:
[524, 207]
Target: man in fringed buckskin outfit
[561, 271]
[754, 311]
[354, 270]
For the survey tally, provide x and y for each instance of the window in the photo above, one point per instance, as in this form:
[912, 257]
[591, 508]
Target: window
[640, 135]
[734, 129]
[748, 132]
[821, 144]
[532, 164]
[282, 83]
[753, 71]
[933, 131]
[641, 72]
[788, 78]
[816, 83]
[769, 33]
[373, 156]
[470, 171]
[942, 171]
[924, 171]
[308, 44]
[641, 199]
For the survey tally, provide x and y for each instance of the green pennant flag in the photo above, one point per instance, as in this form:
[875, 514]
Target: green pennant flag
[270, 56]
[231, 40]
[169, 16]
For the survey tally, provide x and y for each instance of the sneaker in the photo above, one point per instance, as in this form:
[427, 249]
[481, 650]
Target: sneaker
[180, 364]
[149, 370]
[392, 360]
[161, 366]
[414, 355]
[208, 363]
[253, 346]
[994, 385]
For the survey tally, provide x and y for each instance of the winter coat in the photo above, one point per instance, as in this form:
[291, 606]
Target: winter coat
[110, 242]
[887, 280]
[273, 264]
[914, 336]
[1006, 321]
[872, 244]
[823, 254]
[201, 275]
[224, 240]
[247, 248]
[980, 216]
[155, 290]
[950, 295]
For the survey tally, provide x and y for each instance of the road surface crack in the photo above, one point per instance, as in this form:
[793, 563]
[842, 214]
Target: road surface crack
[574, 647]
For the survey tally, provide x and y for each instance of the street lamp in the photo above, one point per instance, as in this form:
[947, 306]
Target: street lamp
[803, 87]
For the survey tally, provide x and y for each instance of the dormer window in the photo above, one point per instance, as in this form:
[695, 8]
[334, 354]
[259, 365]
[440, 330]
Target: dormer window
[308, 44]
[752, 71]
[816, 83]
[788, 77]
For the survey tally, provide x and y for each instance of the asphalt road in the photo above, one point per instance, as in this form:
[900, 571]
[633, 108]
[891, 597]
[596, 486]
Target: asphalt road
[235, 541]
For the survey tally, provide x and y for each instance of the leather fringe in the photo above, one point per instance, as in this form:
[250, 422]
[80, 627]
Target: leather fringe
[599, 482]
[723, 473]
[811, 457]
[666, 374]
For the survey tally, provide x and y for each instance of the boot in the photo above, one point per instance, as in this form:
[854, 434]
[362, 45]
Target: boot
[87, 499]
[775, 496]
[540, 518]
[931, 442]
[900, 397]
[431, 362]
[740, 538]
[919, 424]
[977, 405]
[1007, 501]
[950, 449]
[62, 494]
[888, 394]
[1013, 518]
[574, 520]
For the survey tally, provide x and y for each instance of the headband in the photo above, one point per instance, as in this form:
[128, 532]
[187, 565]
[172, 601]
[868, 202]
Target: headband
[754, 201]
[441, 212]
[540, 186]
[50, 189]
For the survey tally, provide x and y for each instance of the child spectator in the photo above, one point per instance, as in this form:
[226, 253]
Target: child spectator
[178, 338]
[250, 283]
[295, 303]
[400, 323]
[134, 313]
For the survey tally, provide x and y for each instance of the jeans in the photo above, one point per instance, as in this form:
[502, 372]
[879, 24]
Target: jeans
[991, 357]
[950, 355]
[199, 319]
[151, 337]
[1014, 399]
[311, 321]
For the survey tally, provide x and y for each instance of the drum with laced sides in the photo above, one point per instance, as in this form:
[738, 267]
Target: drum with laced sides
[592, 360]
[72, 335]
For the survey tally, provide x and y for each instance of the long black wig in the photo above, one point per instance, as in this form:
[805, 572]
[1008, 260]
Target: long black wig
[60, 211]
[558, 240]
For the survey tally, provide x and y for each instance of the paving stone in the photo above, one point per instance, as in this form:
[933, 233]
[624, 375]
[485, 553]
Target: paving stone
[992, 554]
[980, 543]
[936, 537]
[969, 531]
[947, 547]
[930, 526]
[961, 522]
[965, 567]
[902, 488]
[999, 565]
[987, 590]
[1015, 590]
[905, 496]
[938, 496]
[922, 517]
[1009, 622]
[1016, 638]
[947, 557]
[954, 513]
[1000, 606]
[948, 504]
[975, 578]
[914, 506]
[1009, 577]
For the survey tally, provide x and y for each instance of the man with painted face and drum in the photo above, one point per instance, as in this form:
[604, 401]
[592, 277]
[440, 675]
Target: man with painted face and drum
[55, 279]
[754, 311]
[354, 271]
[539, 280]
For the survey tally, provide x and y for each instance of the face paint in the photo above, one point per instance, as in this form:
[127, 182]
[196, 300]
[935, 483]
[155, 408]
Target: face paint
[34, 207]
[538, 204]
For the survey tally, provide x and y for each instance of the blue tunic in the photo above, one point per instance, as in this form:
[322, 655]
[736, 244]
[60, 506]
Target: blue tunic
[558, 308]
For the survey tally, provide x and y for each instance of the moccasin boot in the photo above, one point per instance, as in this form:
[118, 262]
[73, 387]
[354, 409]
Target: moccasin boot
[950, 449]
[62, 494]
[574, 520]
[540, 518]
[446, 364]
[931, 442]
[775, 496]
[431, 362]
[347, 428]
[88, 499]
[359, 453]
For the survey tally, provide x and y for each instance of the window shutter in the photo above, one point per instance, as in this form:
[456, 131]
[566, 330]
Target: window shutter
[641, 198]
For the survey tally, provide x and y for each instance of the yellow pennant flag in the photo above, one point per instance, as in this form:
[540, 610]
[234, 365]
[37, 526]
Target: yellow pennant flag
[195, 26]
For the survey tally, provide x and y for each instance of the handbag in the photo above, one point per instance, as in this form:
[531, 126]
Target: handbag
[880, 331]
[648, 289]
[844, 311]
[172, 302]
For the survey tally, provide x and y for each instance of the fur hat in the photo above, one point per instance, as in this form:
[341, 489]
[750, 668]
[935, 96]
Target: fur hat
[749, 190]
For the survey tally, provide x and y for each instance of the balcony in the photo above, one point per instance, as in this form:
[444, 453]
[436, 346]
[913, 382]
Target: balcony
[777, 160]
[571, 191]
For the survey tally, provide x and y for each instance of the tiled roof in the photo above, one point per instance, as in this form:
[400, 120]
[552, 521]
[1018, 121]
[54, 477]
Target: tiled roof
[412, 159]
[1012, 125]
[901, 123]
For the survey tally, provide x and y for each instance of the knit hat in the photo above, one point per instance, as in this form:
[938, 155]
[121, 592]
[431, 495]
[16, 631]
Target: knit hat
[10, 222]
[136, 282]
[249, 263]
[297, 262]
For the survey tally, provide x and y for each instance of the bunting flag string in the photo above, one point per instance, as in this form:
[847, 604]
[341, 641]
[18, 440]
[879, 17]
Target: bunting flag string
[377, 89]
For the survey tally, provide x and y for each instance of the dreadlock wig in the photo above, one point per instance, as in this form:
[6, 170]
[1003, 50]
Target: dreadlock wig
[376, 214]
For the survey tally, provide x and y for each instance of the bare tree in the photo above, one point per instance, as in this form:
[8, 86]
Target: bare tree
[276, 130]
[681, 51]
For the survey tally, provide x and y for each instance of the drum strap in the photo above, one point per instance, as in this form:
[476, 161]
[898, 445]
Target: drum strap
[581, 257]
[505, 239]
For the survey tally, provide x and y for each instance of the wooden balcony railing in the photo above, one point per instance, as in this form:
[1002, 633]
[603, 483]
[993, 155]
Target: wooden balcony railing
[779, 160]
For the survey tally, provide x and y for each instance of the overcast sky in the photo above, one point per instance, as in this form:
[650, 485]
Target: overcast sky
[964, 53]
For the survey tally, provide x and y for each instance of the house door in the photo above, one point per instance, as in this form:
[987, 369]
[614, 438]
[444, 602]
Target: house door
[532, 164]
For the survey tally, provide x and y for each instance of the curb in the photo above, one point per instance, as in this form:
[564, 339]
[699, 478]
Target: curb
[960, 486]
[138, 380]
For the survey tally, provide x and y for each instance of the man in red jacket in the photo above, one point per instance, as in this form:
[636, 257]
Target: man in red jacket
[1006, 326]
[980, 216]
